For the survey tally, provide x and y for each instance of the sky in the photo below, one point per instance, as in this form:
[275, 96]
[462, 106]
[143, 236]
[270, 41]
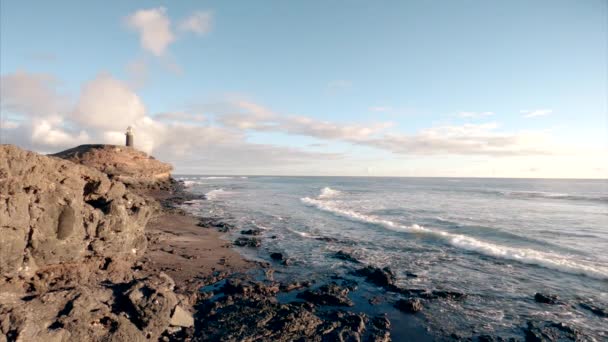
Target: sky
[466, 88]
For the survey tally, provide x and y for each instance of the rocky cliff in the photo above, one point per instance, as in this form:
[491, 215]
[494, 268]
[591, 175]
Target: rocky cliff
[69, 237]
[125, 164]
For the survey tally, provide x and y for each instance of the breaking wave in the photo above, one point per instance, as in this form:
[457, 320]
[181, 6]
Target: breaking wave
[328, 192]
[214, 194]
[553, 261]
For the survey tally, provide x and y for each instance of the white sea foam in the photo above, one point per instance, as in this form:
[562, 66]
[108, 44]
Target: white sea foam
[214, 194]
[190, 183]
[217, 177]
[554, 261]
[328, 192]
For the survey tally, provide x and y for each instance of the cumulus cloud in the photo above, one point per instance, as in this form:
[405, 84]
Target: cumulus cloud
[108, 103]
[199, 22]
[106, 106]
[154, 28]
[536, 112]
[473, 115]
[31, 94]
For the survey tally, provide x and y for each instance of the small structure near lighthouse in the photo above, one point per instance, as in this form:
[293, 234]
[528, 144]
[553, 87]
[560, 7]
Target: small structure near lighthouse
[129, 135]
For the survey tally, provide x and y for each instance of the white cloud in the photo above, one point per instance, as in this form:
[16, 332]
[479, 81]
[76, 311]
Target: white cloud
[199, 22]
[154, 28]
[108, 103]
[473, 115]
[31, 94]
[535, 112]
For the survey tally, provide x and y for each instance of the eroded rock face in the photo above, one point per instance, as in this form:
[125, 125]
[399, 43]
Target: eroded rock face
[53, 212]
[122, 163]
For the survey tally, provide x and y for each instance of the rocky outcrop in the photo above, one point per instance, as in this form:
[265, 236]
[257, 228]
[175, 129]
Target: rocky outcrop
[54, 212]
[125, 164]
[69, 237]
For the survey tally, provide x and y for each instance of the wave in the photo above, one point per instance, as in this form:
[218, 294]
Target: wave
[189, 183]
[328, 192]
[554, 261]
[214, 194]
[217, 177]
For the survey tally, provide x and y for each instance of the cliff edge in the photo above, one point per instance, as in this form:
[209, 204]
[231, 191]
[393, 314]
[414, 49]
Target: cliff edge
[125, 164]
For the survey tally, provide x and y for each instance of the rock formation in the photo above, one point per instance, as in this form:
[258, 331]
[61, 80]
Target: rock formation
[69, 235]
[122, 163]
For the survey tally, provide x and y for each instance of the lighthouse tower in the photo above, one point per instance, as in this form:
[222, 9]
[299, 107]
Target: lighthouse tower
[129, 135]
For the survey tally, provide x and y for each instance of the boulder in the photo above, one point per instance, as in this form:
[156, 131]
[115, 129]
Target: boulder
[380, 276]
[345, 256]
[410, 305]
[181, 318]
[247, 242]
[545, 298]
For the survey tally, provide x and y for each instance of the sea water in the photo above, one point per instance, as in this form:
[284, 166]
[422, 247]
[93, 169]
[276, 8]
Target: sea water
[498, 240]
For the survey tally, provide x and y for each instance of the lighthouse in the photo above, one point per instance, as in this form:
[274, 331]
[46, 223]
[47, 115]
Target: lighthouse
[129, 135]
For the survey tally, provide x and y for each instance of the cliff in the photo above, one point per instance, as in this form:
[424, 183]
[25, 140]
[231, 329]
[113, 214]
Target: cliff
[125, 164]
[70, 235]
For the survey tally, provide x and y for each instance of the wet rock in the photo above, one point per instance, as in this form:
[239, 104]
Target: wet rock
[276, 256]
[249, 289]
[251, 232]
[208, 222]
[601, 312]
[379, 276]
[380, 329]
[550, 331]
[287, 262]
[452, 295]
[345, 256]
[294, 286]
[545, 298]
[330, 294]
[410, 305]
[247, 242]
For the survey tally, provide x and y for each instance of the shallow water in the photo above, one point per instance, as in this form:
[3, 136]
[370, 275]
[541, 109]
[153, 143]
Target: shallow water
[498, 240]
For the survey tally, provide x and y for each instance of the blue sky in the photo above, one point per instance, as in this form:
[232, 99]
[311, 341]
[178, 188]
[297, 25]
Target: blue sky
[448, 88]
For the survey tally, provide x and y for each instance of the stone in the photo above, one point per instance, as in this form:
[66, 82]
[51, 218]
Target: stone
[276, 256]
[345, 256]
[410, 305]
[379, 276]
[545, 298]
[181, 318]
[330, 294]
[247, 242]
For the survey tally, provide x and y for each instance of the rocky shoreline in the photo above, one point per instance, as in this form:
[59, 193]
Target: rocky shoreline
[99, 248]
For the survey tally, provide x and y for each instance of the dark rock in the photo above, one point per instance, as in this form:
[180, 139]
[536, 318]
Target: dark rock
[345, 256]
[550, 331]
[330, 294]
[381, 277]
[222, 227]
[380, 329]
[251, 232]
[294, 286]
[247, 242]
[545, 298]
[601, 312]
[410, 305]
[249, 289]
[276, 256]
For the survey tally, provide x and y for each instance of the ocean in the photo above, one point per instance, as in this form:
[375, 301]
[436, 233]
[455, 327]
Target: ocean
[497, 240]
